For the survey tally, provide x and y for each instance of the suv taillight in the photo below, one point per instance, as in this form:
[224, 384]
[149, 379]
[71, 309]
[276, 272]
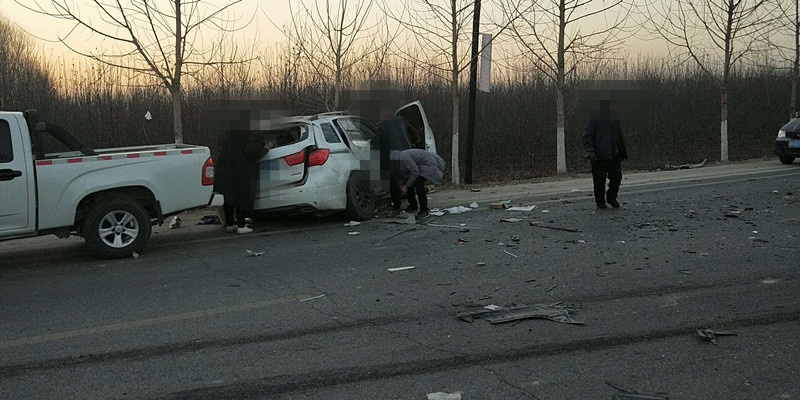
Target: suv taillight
[318, 157]
[296, 158]
[208, 173]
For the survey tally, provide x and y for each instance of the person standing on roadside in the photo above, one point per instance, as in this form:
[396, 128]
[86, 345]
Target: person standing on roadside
[393, 133]
[236, 175]
[602, 141]
[411, 169]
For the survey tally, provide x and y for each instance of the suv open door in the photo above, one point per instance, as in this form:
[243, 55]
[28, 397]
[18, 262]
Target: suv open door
[415, 115]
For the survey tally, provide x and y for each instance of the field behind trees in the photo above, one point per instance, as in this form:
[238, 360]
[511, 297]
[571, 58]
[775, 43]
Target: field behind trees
[672, 119]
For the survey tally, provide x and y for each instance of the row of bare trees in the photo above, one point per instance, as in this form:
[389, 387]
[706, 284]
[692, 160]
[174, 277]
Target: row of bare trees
[337, 40]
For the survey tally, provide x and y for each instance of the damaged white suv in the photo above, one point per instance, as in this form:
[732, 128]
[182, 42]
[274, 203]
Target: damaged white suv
[328, 163]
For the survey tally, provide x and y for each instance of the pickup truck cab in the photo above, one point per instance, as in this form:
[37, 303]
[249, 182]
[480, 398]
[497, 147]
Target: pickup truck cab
[110, 197]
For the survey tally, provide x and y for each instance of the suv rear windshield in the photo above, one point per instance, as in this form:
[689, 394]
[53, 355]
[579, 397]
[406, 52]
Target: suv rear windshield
[286, 135]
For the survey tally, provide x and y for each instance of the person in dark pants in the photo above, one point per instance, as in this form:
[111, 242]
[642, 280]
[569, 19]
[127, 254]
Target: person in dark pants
[236, 174]
[395, 133]
[411, 169]
[602, 140]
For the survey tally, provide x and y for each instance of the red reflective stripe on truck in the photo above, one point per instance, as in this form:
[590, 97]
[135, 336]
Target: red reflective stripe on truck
[104, 158]
[136, 155]
[44, 162]
[74, 160]
[160, 153]
[186, 152]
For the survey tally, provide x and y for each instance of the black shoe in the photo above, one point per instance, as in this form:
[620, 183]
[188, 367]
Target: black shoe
[613, 203]
[423, 213]
[602, 206]
[411, 208]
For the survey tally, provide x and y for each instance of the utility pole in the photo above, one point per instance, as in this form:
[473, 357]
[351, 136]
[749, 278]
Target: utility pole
[473, 79]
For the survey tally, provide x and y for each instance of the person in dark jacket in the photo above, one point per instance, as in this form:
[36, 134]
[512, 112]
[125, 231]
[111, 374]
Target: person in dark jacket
[236, 175]
[602, 140]
[411, 169]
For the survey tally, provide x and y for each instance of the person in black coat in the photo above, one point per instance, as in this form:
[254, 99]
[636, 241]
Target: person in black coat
[236, 175]
[602, 140]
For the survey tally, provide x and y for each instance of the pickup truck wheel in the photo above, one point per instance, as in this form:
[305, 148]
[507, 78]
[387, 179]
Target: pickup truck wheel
[786, 159]
[116, 228]
[360, 198]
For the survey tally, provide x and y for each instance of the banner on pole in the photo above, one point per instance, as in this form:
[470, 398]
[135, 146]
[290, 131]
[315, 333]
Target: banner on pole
[485, 76]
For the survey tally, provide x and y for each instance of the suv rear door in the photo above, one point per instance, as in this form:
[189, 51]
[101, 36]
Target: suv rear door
[415, 115]
[285, 165]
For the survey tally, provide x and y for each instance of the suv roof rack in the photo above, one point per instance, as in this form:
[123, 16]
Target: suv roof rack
[326, 114]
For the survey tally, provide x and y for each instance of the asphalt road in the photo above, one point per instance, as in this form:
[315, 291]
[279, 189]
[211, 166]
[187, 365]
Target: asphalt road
[320, 316]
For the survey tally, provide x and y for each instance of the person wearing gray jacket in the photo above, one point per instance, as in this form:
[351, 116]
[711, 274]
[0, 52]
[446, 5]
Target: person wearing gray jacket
[411, 169]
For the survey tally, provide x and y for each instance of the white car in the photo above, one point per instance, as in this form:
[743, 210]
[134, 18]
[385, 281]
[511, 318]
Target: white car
[329, 163]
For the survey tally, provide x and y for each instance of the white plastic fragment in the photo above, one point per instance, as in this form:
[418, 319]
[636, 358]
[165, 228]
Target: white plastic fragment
[176, 223]
[401, 268]
[444, 396]
[353, 233]
[458, 210]
[312, 298]
[474, 205]
[254, 253]
[437, 213]
[353, 223]
[493, 307]
[522, 208]
[135, 255]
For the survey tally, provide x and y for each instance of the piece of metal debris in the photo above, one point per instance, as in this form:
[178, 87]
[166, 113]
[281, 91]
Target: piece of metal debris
[512, 220]
[632, 394]
[400, 268]
[509, 253]
[444, 396]
[553, 312]
[176, 223]
[254, 253]
[353, 223]
[557, 228]
[711, 335]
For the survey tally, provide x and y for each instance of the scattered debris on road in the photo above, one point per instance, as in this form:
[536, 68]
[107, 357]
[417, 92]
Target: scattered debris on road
[512, 220]
[500, 314]
[501, 205]
[401, 268]
[474, 205]
[353, 233]
[711, 335]
[458, 210]
[176, 223]
[313, 298]
[521, 208]
[444, 396]
[509, 253]
[254, 253]
[557, 228]
[686, 166]
[135, 255]
[353, 223]
[481, 264]
[632, 394]
[209, 220]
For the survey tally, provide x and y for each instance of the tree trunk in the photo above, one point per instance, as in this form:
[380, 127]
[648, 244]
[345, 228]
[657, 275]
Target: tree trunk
[560, 147]
[455, 167]
[724, 126]
[177, 102]
[561, 154]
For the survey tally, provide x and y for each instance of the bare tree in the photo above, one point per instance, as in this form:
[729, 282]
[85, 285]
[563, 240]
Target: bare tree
[552, 35]
[788, 15]
[440, 29]
[333, 37]
[716, 35]
[156, 39]
[24, 81]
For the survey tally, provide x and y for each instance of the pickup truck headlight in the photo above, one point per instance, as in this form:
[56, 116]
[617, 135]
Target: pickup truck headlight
[781, 133]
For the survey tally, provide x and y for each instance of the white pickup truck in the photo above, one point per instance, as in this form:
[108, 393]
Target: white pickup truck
[111, 197]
